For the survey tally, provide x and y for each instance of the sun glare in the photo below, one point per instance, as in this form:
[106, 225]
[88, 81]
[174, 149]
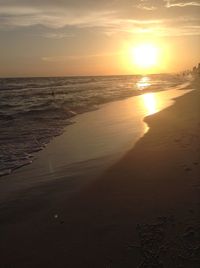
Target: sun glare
[145, 55]
[150, 103]
[143, 83]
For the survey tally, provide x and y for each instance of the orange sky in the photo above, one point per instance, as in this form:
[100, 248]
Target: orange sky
[51, 38]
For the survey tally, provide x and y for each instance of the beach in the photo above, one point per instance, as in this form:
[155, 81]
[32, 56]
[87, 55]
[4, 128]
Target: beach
[141, 211]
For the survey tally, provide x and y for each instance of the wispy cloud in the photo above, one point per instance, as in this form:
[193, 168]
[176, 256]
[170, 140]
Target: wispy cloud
[147, 5]
[55, 20]
[182, 31]
[177, 3]
[109, 17]
[57, 35]
[144, 7]
[77, 57]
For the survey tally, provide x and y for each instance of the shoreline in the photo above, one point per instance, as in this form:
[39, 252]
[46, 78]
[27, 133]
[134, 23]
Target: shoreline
[89, 146]
[28, 158]
[144, 203]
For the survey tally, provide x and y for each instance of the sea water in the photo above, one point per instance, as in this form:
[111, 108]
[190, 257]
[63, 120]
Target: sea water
[34, 110]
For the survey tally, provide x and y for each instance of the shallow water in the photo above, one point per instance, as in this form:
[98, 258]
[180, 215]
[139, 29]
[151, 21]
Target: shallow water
[96, 141]
[33, 110]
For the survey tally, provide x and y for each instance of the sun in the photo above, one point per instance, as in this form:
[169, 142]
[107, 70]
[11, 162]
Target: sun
[145, 55]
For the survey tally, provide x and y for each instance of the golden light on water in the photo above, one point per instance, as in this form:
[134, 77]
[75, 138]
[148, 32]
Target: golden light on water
[150, 103]
[149, 100]
[143, 83]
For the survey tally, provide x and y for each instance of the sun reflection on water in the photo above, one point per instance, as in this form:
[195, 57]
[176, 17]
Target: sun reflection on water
[150, 103]
[143, 83]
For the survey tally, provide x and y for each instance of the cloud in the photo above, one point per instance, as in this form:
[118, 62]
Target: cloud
[148, 5]
[182, 31]
[144, 7]
[16, 17]
[183, 3]
[77, 57]
[56, 35]
[109, 17]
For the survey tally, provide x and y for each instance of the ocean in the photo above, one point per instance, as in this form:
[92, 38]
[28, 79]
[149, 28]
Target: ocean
[34, 110]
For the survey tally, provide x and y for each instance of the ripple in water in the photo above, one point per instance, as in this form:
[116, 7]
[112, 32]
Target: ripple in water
[33, 110]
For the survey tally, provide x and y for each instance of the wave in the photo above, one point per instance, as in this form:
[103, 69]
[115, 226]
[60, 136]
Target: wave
[33, 110]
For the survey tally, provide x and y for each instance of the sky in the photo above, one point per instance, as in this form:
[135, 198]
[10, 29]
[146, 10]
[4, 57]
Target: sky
[96, 37]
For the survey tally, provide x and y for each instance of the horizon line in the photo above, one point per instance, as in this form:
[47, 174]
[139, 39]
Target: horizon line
[102, 75]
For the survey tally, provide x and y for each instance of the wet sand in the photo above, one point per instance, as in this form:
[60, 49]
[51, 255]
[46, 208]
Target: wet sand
[96, 141]
[142, 212]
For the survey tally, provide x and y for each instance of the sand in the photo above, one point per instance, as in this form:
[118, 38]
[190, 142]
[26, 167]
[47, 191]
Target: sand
[142, 212]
